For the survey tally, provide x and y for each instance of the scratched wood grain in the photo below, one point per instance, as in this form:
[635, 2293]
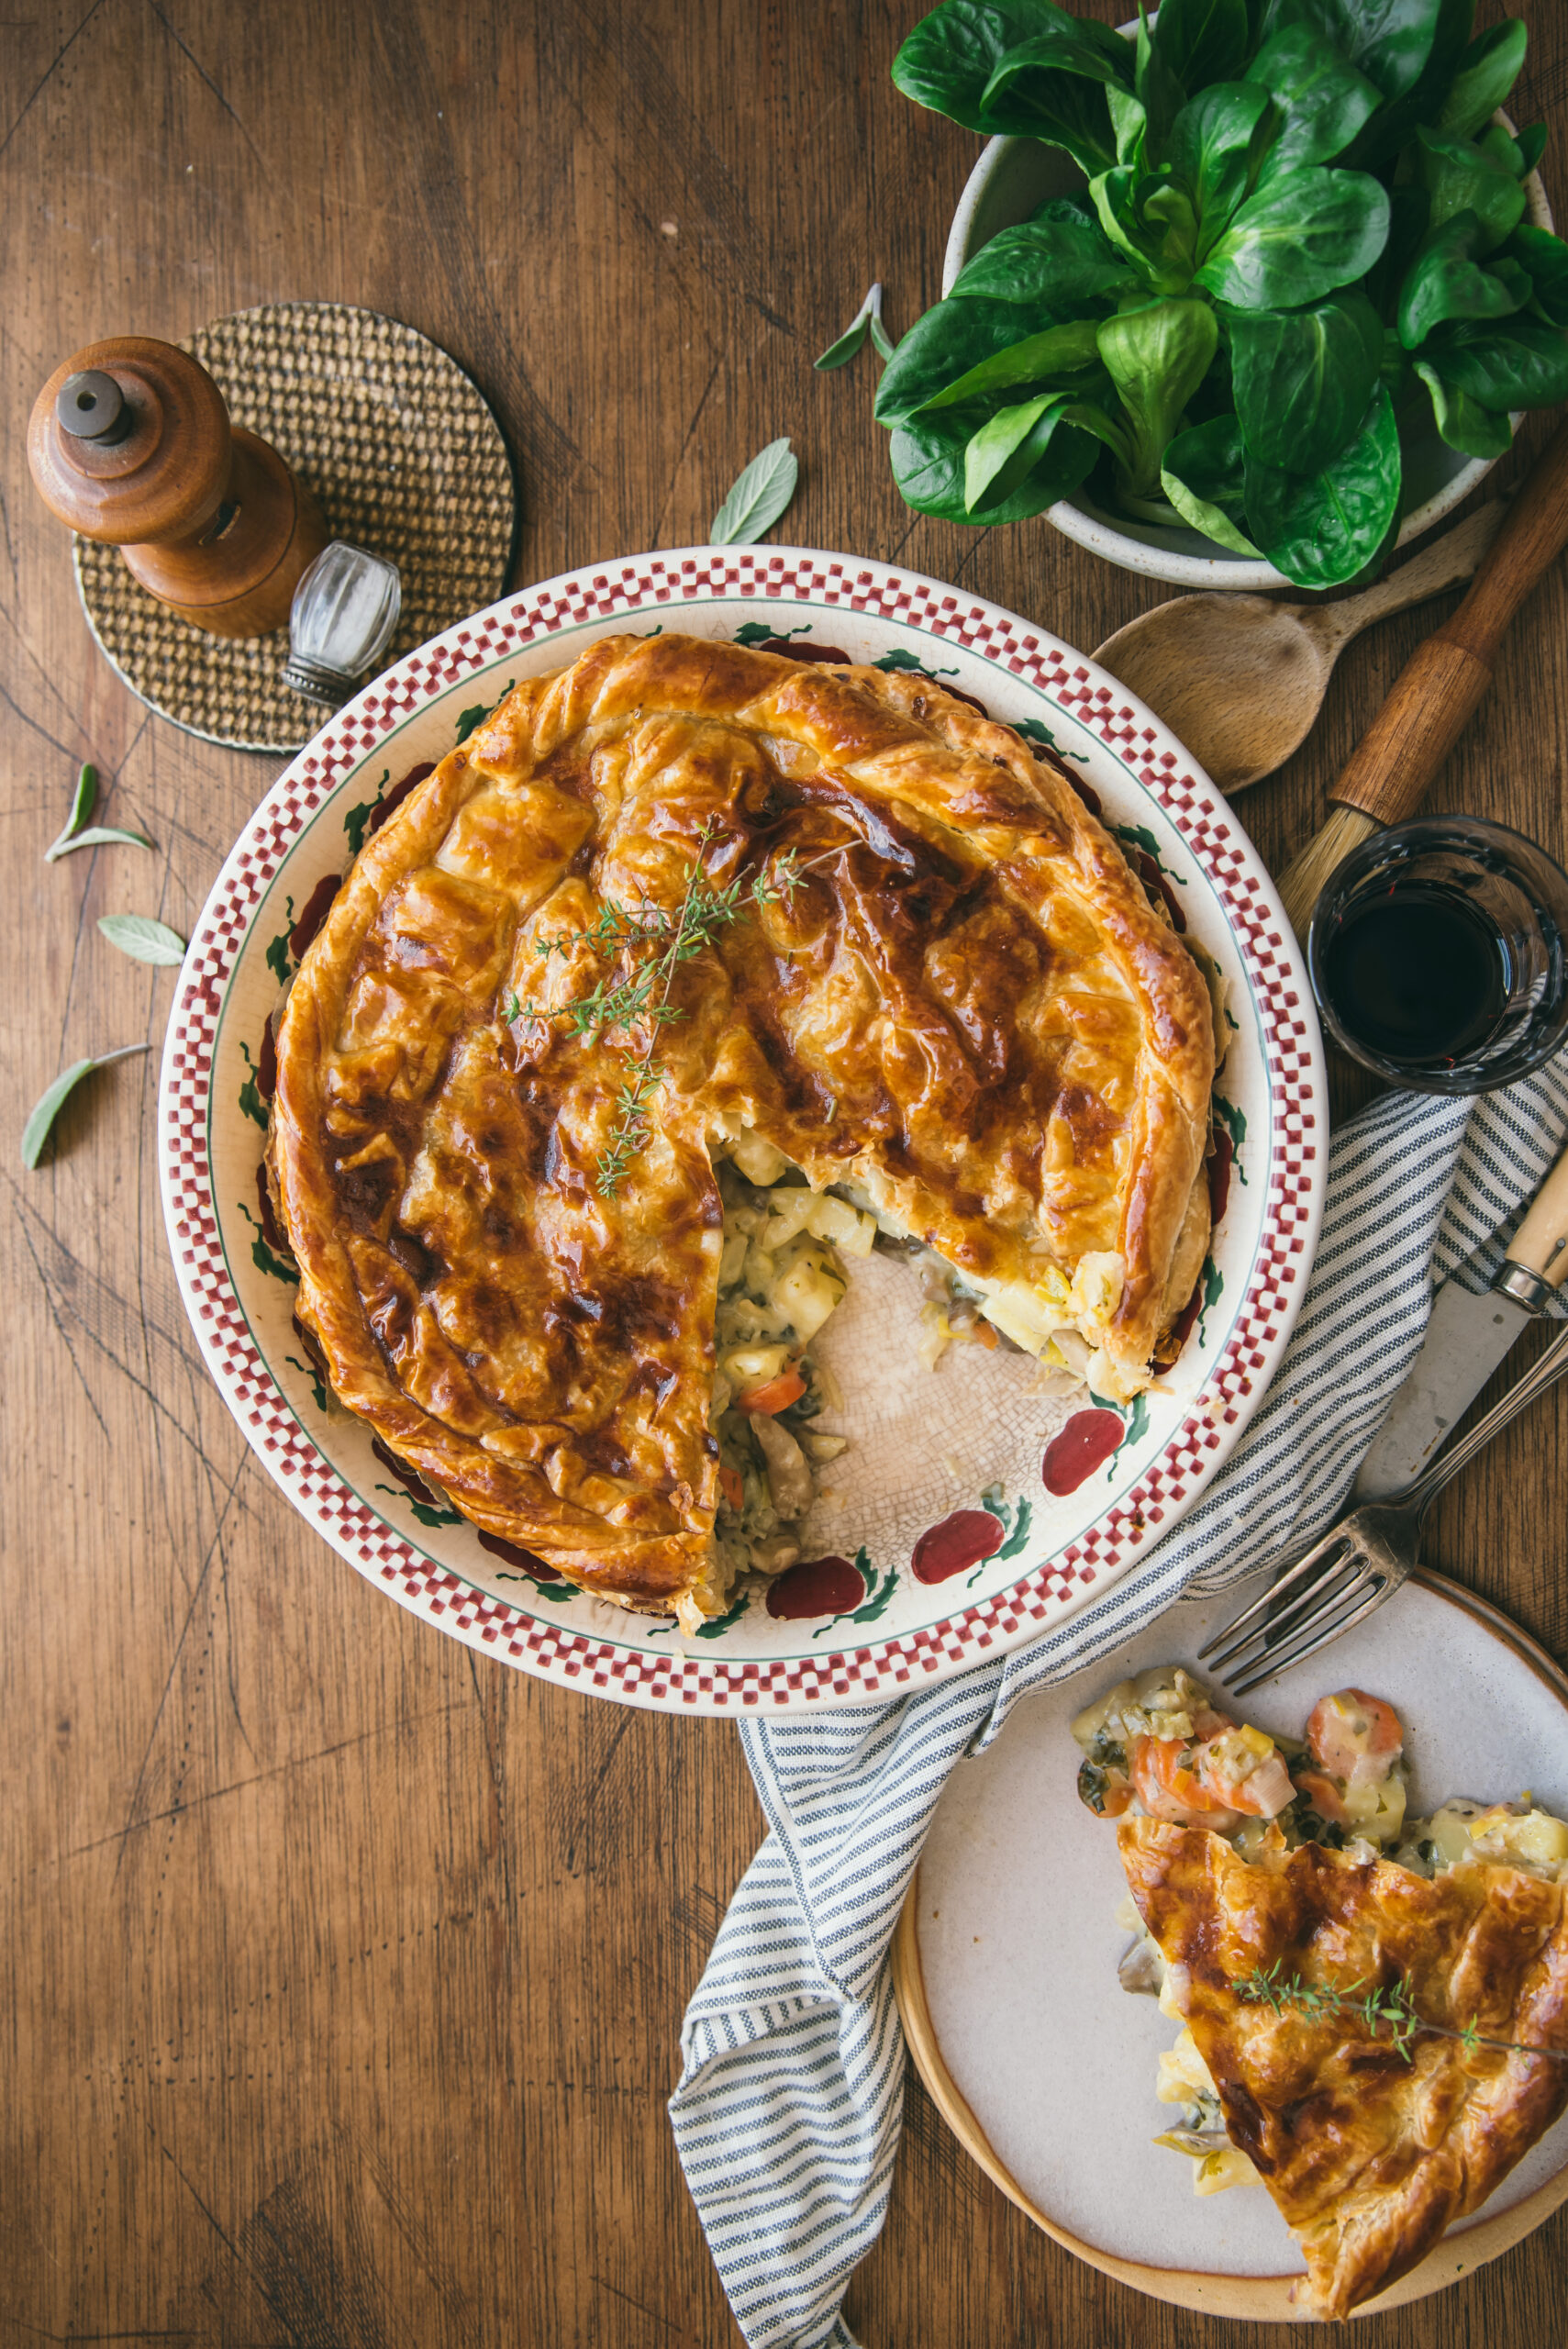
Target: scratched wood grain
[342, 1972]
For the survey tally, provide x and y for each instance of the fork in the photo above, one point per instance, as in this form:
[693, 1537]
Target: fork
[1360, 1561]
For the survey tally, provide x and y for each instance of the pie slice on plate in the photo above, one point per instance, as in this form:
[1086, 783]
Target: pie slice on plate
[1369, 2147]
[689, 975]
[1375, 2008]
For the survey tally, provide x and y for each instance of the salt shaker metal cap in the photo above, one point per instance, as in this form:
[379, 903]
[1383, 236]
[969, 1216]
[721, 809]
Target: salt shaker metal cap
[344, 611]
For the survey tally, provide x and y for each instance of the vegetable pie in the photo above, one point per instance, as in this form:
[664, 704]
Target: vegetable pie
[695, 972]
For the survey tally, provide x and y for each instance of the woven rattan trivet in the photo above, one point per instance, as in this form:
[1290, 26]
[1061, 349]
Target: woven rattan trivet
[402, 455]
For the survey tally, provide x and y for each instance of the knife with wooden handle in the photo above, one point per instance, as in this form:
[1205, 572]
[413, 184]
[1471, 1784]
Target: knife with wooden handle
[1466, 1339]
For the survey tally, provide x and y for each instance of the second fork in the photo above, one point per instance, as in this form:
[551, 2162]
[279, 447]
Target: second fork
[1360, 1561]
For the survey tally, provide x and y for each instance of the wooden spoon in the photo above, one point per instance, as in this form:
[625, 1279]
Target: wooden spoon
[1240, 678]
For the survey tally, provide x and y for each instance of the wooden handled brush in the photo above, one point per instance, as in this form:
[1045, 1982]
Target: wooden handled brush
[1393, 766]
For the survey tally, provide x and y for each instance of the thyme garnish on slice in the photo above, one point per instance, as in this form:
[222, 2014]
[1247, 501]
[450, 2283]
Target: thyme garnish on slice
[1372, 2006]
[648, 944]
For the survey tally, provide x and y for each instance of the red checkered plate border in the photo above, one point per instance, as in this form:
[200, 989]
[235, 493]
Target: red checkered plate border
[1059, 1552]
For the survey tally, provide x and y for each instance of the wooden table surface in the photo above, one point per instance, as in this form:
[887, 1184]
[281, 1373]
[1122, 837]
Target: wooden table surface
[343, 1970]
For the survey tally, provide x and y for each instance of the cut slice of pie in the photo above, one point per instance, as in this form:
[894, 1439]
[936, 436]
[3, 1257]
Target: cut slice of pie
[1370, 2141]
[947, 1008]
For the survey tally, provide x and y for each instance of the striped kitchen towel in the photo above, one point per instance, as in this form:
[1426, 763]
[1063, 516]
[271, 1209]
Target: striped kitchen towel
[788, 2108]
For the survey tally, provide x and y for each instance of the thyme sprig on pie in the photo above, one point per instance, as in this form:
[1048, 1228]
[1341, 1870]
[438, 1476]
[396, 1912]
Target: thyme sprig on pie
[1378, 2008]
[654, 943]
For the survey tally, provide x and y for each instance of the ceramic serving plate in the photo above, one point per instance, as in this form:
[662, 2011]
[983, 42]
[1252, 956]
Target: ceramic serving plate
[1007, 1953]
[973, 1509]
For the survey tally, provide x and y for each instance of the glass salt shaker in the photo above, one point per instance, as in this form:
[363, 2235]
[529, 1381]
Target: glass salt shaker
[344, 611]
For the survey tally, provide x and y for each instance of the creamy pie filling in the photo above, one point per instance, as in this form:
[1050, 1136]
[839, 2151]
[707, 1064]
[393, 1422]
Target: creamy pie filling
[788, 1256]
[781, 1274]
[1158, 1745]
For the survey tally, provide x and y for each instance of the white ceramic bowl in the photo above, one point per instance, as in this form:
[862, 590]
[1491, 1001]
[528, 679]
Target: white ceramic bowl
[1011, 179]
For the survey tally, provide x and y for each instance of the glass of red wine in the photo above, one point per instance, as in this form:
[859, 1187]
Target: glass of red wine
[1439, 956]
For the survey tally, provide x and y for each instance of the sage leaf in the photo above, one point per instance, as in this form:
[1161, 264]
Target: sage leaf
[867, 319]
[82, 802]
[99, 836]
[758, 498]
[48, 1105]
[144, 939]
[839, 353]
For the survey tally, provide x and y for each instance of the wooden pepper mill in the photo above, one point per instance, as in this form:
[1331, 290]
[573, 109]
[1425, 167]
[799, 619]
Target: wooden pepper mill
[130, 443]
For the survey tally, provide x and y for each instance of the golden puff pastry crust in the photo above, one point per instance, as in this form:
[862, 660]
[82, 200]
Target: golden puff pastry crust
[965, 1005]
[1368, 2157]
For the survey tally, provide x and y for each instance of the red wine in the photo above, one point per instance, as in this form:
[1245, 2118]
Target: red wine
[1418, 974]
